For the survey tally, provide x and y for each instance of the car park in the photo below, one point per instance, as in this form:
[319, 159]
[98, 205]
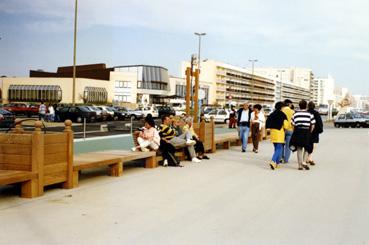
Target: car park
[353, 120]
[107, 111]
[76, 114]
[7, 119]
[100, 114]
[219, 115]
[118, 115]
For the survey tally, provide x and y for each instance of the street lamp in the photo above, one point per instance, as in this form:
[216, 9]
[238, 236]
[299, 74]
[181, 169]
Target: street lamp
[252, 78]
[74, 53]
[197, 79]
[198, 55]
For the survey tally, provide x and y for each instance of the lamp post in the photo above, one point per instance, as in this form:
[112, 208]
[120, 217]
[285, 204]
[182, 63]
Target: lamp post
[252, 78]
[197, 78]
[74, 53]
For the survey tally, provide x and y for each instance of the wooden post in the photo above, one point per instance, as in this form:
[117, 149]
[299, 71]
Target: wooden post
[196, 97]
[69, 133]
[37, 187]
[18, 129]
[213, 145]
[188, 89]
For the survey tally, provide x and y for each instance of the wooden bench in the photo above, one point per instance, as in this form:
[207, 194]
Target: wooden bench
[41, 158]
[114, 159]
[227, 139]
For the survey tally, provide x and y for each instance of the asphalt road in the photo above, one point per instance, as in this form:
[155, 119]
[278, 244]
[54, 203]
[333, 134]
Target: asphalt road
[234, 198]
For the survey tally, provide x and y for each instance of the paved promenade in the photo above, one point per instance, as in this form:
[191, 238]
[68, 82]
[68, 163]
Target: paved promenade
[232, 199]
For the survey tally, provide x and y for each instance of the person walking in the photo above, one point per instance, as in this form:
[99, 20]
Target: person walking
[318, 129]
[51, 113]
[277, 123]
[287, 109]
[232, 118]
[303, 122]
[42, 111]
[257, 122]
[243, 123]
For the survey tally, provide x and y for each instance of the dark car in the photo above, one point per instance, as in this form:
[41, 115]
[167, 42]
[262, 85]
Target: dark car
[7, 119]
[166, 110]
[118, 115]
[76, 114]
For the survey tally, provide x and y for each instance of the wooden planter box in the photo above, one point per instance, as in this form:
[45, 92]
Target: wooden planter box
[48, 156]
[206, 132]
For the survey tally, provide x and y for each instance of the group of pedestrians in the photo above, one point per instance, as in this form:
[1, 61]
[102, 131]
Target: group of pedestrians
[171, 134]
[46, 113]
[292, 130]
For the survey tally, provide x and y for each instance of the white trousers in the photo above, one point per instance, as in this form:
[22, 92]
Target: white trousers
[147, 143]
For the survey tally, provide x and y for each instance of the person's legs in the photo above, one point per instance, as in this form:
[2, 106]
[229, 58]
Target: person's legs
[277, 152]
[176, 141]
[287, 151]
[142, 142]
[255, 136]
[299, 156]
[244, 134]
[153, 146]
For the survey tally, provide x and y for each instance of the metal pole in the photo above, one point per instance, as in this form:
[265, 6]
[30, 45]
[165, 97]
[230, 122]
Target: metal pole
[188, 90]
[84, 128]
[74, 53]
[197, 77]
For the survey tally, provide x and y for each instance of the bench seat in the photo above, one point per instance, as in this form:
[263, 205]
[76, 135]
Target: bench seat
[114, 159]
[27, 179]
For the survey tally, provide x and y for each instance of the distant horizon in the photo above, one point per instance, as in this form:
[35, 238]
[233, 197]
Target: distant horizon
[328, 37]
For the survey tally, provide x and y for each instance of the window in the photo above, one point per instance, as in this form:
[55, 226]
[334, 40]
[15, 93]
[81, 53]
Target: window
[122, 84]
[341, 117]
[122, 98]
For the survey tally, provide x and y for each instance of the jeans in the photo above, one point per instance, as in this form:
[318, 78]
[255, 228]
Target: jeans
[177, 141]
[244, 135]
[286, 150]
[278, 149]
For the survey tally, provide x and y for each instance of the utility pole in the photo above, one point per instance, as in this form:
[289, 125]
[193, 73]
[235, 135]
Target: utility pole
[74, 53]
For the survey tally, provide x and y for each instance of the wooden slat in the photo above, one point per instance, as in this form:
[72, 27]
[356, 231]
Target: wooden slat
[55, 139]
[16, 139]
[54, 168]
[11, 176]
[15, 167]
[15, 159]
[55, 148]
[128, 155]
[55, 158]
[90, 160]
[15, 149]
[55, 178]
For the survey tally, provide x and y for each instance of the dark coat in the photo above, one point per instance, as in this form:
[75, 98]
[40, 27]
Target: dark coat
[239, 113]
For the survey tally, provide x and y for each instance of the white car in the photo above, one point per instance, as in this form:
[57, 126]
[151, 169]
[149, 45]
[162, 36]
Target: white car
[148, 110]
[219, 115]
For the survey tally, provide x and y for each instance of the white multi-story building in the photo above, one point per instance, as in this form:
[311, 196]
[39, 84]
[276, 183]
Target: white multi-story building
[231, 84]
[301, 77]
[322, 90]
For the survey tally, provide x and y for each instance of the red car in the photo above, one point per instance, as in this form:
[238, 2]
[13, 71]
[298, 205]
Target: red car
[22, 109]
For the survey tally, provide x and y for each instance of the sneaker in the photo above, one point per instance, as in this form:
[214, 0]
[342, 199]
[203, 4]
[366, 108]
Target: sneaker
[243, 150]
[144, 149]
[190, 142]
[273, 165]
[278, 166]
[165, 163]
[133, 149]
[196, 160]
[256, 151]
[205, 157]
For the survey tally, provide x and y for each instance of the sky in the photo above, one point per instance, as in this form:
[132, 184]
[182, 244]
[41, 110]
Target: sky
[328, 36]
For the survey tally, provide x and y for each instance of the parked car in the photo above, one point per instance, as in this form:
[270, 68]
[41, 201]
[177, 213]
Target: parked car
[165, 110]
[108, 111]
[135, 114]
[21, 109]
[351, 120]
[76, 114]
[148, 110]
[118, 115]
[100, 114]
[219, 115]
[7, 119]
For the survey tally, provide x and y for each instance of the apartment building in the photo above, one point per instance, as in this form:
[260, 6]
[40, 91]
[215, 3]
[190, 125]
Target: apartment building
[287, 90]
[322, 90]
[233, 85]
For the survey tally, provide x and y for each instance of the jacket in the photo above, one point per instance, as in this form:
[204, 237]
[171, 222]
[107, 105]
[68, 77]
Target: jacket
[239, 113]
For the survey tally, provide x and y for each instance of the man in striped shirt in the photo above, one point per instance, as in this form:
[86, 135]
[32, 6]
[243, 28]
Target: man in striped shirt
[303, 122]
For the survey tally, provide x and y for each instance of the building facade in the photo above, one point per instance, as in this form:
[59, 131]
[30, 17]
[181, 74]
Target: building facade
[322, 90]
[233, 85]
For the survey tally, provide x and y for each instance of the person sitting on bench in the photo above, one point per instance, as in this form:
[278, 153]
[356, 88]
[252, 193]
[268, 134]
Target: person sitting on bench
[190, 133]
[149, 137]
[168, 135]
